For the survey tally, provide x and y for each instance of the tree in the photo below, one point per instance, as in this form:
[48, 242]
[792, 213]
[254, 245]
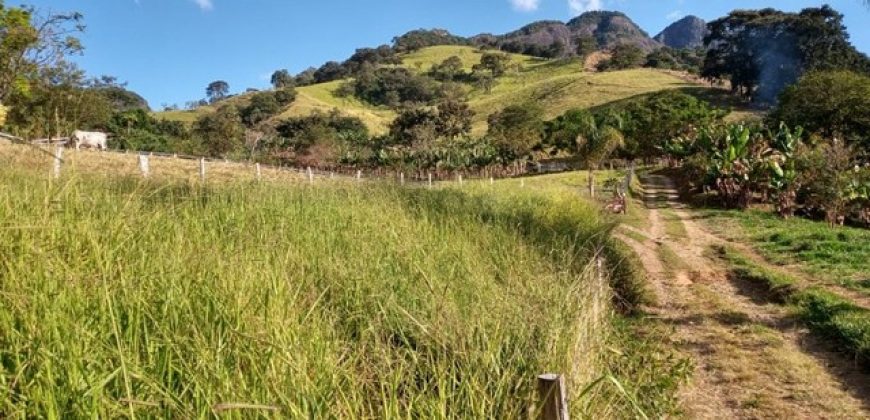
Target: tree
[30, 42]
[221, 132]
[217, 90]
[495, 63]
[589, 137]
[448, 70]
[282, 79]
[832, 104]
[306, 77]
[454, 119]
[263, 105]
[330, 71]
[763, 51]
[415, 127]
[650, 121]
[516, 130]
[624, 56]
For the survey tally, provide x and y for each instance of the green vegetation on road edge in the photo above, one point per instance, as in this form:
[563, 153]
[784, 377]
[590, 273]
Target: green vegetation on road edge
[827, 313]
[838, 256]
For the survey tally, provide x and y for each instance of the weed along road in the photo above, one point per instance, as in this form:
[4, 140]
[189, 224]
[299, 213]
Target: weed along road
[752, 357]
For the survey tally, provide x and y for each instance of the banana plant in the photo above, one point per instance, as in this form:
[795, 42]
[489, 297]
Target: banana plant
[783, 173]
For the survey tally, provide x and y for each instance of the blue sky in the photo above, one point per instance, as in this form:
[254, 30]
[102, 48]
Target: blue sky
[169, 50]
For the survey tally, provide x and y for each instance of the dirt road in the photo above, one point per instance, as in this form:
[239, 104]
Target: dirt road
[752, 358]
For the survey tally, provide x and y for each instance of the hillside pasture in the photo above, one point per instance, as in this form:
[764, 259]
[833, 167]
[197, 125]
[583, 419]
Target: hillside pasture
[556, 85]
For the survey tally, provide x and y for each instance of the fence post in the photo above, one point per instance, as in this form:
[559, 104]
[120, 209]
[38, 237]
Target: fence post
[430, 179]
[259, 174]
[58, 159]
[553, 396]
[144, 165]
[202, 169]
[491, 181]
[460, 179]
[310, 175]
[591, 183]
[332, 175]
[402, 178]
[358, 176]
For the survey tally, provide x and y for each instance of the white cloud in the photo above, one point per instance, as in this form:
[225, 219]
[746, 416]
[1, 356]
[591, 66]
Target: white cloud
[526, 5]
[204, 4]
[676, 14]
[580, 6]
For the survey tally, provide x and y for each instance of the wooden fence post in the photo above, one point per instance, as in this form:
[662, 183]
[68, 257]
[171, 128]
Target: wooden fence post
[358, 176]
[553, 396]
[460, 179]
[58, 159]
[144, 165]
[310, 175]
[259, 174]
[591, 183]
[202, 169]
[491, 181]
[430, 179]
[402, 178]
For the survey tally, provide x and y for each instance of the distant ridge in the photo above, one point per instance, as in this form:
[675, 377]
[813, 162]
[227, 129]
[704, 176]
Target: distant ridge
[553, 39]
[688, 32]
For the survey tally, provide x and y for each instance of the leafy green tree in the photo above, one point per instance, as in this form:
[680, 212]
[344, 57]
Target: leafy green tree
[516, 130]
[395, 87]
[650, 121]
[415, 127]
[495, 63]
[217, 90]
[221, 132]
[588, 137]
[831, 104]
[282, 79]
[330, 71]
[306, 77]
[454, 119]
[624, 56]
[29, 43]
[285, 96]
[450, 69]
[262, 106]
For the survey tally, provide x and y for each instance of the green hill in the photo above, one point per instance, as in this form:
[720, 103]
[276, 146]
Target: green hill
[557, 85]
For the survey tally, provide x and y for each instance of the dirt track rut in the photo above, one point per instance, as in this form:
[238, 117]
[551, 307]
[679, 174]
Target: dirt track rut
[752, 358]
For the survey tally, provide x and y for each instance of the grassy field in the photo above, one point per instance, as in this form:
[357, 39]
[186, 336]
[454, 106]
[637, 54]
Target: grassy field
[556, 85]
[128, 297]
[838, 256]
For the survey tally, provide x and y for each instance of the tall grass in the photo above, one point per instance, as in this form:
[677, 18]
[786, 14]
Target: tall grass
[122, 297]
